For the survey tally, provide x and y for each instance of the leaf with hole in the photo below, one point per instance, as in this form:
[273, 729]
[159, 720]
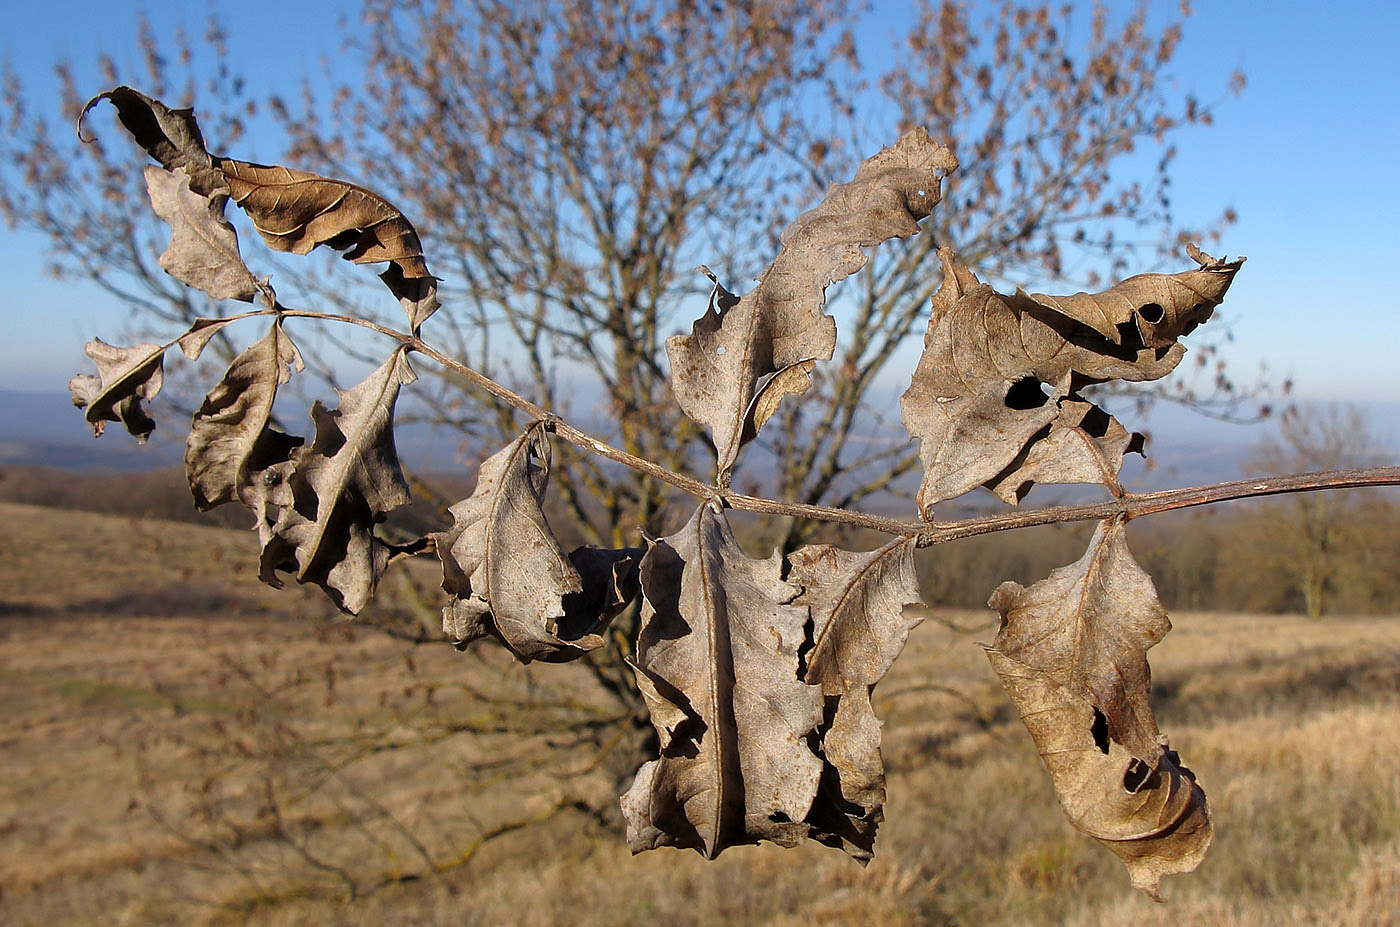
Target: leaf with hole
[995, 374]
[1153, 815]
[1088, 627]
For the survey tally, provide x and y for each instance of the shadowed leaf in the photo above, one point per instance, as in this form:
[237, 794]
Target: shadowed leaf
[125, 378]
[859, 627]
[996, 373]
[231, 437]
[328, 497]
[1084, 445]
[717, 661]
[170, 136]
[507, 574]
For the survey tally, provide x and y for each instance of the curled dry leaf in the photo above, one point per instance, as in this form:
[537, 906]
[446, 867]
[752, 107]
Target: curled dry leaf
[328, 497]
[1152, 815]
[125, 378]
[170, 136]
[859, 627]
[507, 574]
[717, 661]
[996, 373]
[294, 211]
[1152, 310]
[717, 369]
[1084, 445]
[203, 251]
[200, 333]
[232, 438]
[1088, 627]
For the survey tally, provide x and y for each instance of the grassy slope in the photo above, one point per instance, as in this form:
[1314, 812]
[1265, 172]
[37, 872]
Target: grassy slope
[139, 755]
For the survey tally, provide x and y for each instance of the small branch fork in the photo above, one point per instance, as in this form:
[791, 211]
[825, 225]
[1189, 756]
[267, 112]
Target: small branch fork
[1128, 506]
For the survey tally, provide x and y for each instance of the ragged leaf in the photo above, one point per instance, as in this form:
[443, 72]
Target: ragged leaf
[1088, 626]
[718, 369]
[507, 574]
[717, 661]
[170, 136]
[200, 333]
[295, 211]
[1153, 815]
[997, 372]
[859, 627]
[1084, 445]
[231, 438]
[203, 251]
[329, 496]
[126, 377]
[1152, 310]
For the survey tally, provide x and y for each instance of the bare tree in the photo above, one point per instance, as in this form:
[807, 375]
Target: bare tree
[573, 161]
[1314, 541]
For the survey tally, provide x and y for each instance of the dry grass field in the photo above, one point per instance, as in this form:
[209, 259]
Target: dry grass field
[184, 746]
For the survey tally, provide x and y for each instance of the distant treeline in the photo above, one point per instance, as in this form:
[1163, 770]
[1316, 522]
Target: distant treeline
[1323, 553]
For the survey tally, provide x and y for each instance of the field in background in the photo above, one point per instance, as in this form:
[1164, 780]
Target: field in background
[184, 746]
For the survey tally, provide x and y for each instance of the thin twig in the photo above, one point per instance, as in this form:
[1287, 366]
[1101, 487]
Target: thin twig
[1131, 505]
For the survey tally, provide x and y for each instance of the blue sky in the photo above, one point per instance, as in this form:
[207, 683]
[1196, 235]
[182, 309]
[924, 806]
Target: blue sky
[1306, 156]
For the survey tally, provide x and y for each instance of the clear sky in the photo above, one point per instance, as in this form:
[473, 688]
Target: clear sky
[1306, 156]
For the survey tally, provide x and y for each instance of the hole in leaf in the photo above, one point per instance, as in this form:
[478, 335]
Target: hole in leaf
[1129, 336]
[1152, 313]
[1027, 393]
[1100, 731]
[779, 817]
[1096, 422]
[719, 350]
[1136, 776]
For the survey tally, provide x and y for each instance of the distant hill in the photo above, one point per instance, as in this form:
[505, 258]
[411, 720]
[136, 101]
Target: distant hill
[44, 429]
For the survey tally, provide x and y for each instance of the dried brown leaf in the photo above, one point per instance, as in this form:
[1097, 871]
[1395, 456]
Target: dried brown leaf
[170, 136]
[1084, 445]
[231, 438]
[717, 661]
[201, 332]
[859, 627]
[995, 373]
[1152, 310]
[717, 368]
[329, 496]
[126, 377]
[295, 211]
[203, 251]
[507, 574]
[1088, 626]
[1152, 815]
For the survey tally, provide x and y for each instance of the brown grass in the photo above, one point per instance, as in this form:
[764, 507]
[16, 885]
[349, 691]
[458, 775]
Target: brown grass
[182, 746]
